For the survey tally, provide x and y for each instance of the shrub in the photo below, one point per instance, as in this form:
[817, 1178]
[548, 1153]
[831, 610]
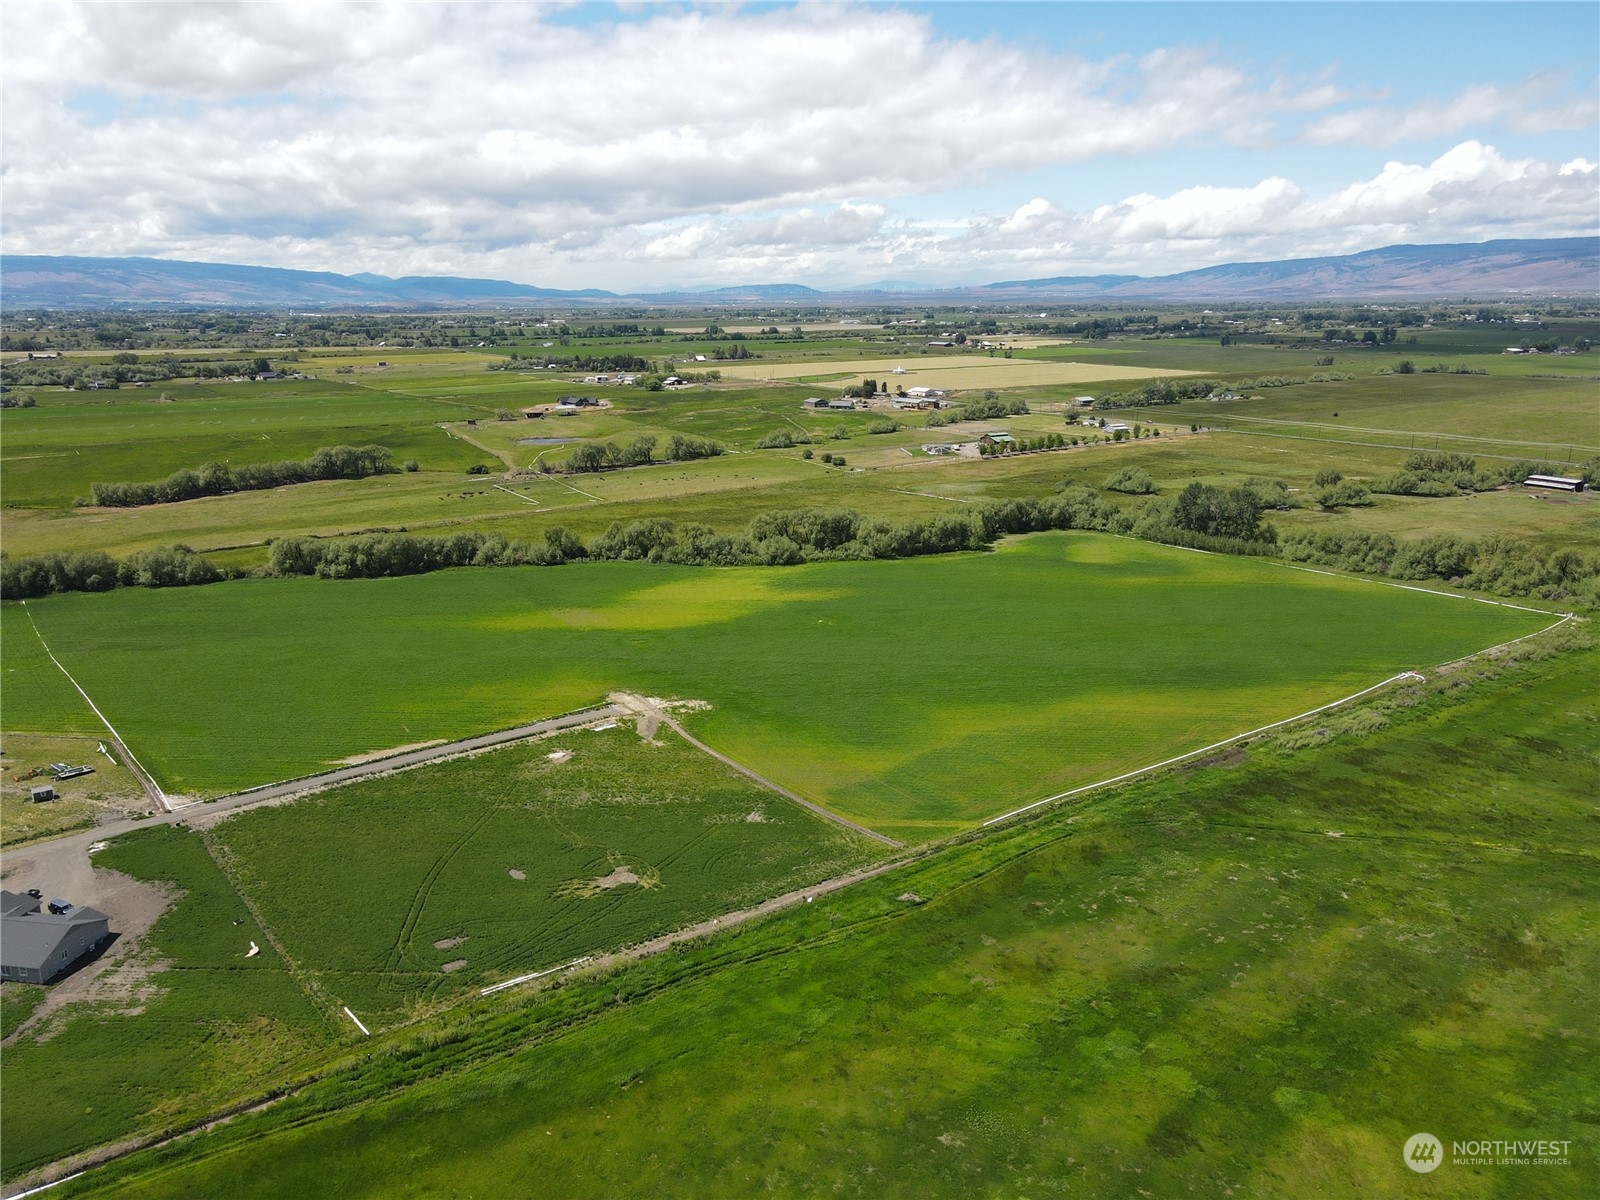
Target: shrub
[883, 425]
[1348, 494]
[1134, 481]
[780, 439]
[682, 449]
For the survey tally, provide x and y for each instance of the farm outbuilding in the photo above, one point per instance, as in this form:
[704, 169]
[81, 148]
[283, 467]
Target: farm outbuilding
[42, 795]
[38, 947]
[1556, 483]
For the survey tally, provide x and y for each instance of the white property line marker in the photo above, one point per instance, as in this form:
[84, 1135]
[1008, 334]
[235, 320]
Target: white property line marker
[45, 1187]
[138, 767]
[352, 1016]
[1089, 787]
[500, 987]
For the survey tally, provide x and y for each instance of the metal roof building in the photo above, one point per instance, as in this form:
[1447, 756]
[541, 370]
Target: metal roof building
[37, 947]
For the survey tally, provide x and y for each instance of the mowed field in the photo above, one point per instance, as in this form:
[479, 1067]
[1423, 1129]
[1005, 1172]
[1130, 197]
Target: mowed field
[918, 696]
[1257, 978]
[948, 371]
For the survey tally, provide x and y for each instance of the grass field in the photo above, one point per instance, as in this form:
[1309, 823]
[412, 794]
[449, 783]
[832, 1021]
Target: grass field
[183, 1025]
[964, 372]
[424, 860]
[1257, 978]
[1254, 977]
[112, 788]
[917, 696]
[55, 451]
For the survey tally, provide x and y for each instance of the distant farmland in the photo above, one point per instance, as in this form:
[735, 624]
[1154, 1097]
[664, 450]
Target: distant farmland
[947, 371]
[917, 696]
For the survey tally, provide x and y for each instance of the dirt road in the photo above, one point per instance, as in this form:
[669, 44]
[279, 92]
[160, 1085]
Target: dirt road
[644, 708]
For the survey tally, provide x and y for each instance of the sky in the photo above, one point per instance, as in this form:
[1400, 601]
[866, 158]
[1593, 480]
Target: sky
[643, 147]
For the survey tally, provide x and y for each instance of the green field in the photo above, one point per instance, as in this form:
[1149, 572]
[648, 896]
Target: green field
[1251, 975]
[352, 890]
[1256, 978]
[182, 1027]
[425, 857]
[917, 696]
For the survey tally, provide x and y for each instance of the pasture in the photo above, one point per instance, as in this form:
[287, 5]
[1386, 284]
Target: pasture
[55, 451]
[964, 372]
[1258, 977]
[459, 874]
[917, 696]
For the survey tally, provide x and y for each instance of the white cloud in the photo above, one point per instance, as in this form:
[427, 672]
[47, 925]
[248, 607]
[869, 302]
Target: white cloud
[1470, 193]
[686, 147]
[472, 129]
[1531, 106]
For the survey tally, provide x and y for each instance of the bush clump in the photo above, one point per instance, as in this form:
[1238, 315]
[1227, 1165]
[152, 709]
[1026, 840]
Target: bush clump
[1133, 481]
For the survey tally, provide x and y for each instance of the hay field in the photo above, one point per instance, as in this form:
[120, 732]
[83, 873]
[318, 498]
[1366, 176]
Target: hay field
[946, 371]
[918, 696]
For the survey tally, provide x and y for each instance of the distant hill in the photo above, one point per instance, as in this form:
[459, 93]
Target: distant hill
[1565, 266]
[1482, 270]
[29, 280]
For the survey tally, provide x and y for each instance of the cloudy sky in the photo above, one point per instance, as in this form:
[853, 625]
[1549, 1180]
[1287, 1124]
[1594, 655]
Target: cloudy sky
[642, 147]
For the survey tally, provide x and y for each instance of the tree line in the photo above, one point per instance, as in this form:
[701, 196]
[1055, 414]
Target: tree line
[218, 478]
[1201, 516]
[97, 571]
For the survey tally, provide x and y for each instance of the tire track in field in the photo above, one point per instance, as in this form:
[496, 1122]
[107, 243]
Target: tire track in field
[419, 898]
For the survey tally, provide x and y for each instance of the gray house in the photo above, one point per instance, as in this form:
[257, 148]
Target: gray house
[37, 947]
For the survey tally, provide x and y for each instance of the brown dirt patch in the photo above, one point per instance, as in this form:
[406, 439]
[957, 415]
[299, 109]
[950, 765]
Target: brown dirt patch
[620, 875]
[623, 874]
[517, 875]
[1231, 757]
[449, 943]
[757, 817]
[454, 964]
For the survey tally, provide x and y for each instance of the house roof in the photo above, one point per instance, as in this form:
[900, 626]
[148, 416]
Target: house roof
[30, 939]
[14, 903]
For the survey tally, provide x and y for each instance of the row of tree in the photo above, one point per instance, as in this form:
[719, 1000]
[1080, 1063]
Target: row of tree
[1203, 516]
[218, 478]
[97, 571]
[1501, 565]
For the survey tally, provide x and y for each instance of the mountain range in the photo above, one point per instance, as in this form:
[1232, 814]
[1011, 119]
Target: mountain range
[1504, 269]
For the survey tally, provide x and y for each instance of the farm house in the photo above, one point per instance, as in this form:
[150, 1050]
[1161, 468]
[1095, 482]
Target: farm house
[38, 947]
